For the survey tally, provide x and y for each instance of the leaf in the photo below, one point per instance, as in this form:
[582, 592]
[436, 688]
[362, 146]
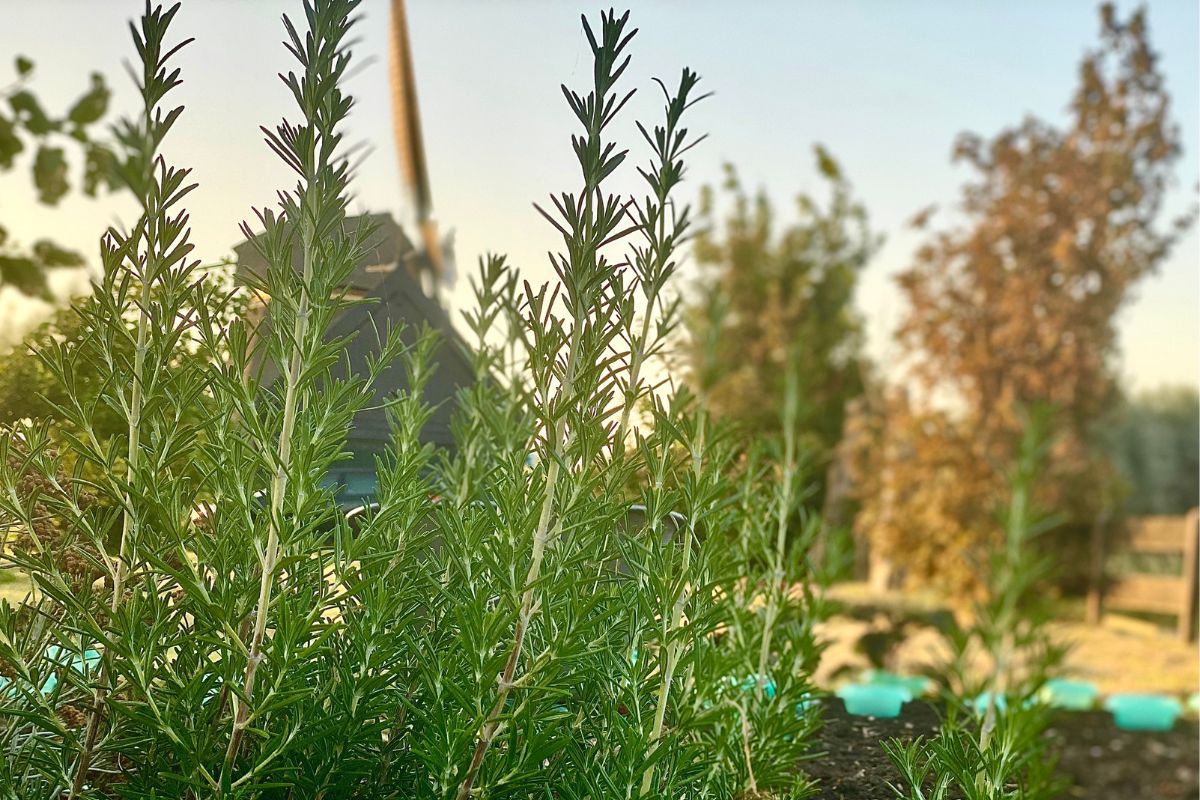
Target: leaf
[51, 255]
[24, 66]
[50, 174]
[921, 219]
[29, 114]
[91, 106]
[10, 143]
[826, 164]
[99, 169]
[23, 275]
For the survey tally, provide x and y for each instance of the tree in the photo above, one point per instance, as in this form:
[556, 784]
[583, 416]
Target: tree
[27, 124]
[1015, 307]
[1154, 440]
[767, 296]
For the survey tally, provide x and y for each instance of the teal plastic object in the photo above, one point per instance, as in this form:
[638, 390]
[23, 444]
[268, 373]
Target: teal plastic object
[1069, 694]
[917, 685]
[874, 700]
[1144, 712]
[65, 658]
[807, 701]
[980, 703]
[750, 684]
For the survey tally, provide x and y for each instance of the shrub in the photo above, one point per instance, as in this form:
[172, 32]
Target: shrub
[501, 623]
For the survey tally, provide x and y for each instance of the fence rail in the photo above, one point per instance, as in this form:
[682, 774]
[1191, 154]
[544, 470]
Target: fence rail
[1157, 594]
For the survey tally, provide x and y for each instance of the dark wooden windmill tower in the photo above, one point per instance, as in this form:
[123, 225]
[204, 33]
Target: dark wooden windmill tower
[400, 278]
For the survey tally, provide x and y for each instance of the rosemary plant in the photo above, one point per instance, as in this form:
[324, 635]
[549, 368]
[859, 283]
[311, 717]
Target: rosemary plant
[990, 746]
[510, 619]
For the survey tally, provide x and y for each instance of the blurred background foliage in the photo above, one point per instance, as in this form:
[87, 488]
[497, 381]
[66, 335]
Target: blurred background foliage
[29, 133]
[776, 291]
[1014, 304]
[1152, 441]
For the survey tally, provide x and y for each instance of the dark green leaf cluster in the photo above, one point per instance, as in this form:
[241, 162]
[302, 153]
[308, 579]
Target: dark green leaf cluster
[1153, 439]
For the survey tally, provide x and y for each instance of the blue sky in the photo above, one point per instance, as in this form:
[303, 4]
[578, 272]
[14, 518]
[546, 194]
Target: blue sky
[886, 86]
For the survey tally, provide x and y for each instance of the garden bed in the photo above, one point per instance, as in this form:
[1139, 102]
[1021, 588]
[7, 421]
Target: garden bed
[1104, 763]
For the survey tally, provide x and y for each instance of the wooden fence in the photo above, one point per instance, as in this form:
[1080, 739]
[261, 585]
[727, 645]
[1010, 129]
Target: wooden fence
[1157, 594]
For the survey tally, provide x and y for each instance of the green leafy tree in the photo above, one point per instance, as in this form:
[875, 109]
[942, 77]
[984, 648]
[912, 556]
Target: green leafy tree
[776, 298]
[29, 388]
[25, 125]
[1154, 441]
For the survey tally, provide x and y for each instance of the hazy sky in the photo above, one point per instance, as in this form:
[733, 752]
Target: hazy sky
[885, 85]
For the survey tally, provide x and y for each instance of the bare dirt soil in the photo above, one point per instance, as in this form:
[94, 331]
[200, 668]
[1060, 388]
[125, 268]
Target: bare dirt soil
[1102, 762]
[900, 632]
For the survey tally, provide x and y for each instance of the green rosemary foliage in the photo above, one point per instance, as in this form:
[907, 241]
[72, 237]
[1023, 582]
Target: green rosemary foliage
[990, 746]
[506, 620]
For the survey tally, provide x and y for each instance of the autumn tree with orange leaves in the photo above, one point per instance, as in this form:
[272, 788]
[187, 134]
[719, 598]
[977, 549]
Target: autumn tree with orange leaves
[1015, 306]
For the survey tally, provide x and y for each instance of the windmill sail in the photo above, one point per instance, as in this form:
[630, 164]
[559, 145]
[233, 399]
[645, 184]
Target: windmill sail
[410, 147]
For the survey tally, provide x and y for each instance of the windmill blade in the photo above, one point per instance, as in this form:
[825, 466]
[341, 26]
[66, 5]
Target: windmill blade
[410, 146]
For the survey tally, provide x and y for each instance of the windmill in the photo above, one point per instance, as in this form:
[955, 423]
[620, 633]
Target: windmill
[399, 278]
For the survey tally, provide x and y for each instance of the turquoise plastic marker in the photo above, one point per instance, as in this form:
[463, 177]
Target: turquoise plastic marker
[980, 703]
[874, 700]
[1069, 694]
[806, 702]
[750, 684]
[65, 658]
[1144, 712]
[917, 685]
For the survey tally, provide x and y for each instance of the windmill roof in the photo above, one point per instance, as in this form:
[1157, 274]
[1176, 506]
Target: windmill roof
[392, 248]
[393, 298]
[398, 300]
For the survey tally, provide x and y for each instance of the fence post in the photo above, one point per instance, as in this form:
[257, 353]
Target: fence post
[1191, 555]
[1095, 598]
